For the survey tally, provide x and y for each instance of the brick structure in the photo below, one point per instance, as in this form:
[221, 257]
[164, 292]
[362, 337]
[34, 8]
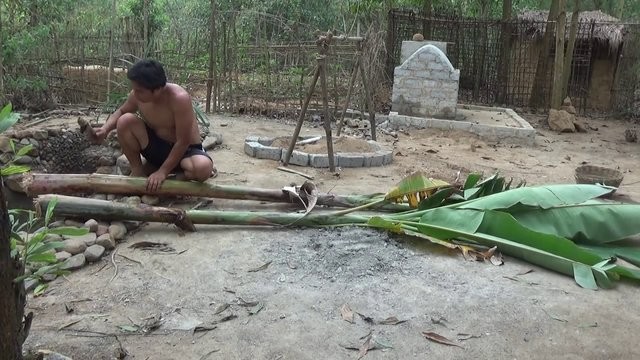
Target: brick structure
[426, 85]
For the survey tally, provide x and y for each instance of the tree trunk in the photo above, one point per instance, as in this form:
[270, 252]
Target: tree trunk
[1, 63]
[145, 10]
[12, 295]
[568, 60]
[539, 83]
[505, 53]
[427, 12]
[558, 64]
[212, 56]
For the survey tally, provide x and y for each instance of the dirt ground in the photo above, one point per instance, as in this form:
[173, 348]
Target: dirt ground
[503, 312]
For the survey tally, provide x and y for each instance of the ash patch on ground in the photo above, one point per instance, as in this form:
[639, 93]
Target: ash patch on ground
[342, 254]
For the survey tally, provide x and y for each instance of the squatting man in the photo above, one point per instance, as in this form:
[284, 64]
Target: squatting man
[158, 122]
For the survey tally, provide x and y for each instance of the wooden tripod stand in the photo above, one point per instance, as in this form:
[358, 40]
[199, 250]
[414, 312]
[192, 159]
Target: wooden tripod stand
[323, 43]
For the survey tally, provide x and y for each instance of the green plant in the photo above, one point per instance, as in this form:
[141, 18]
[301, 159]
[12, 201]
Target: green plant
[31, 243]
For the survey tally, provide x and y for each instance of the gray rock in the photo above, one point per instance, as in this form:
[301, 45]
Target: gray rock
[102, 229]
[105, 170]
[74, 246]
[106, 241]
[117, 230]
[133, 200]
[24, 160]
[57, 224]
[34, 142]
[212, 141]
[5, 144]
[561, 121]
[62, 256]
[73, 223]
[150, 200]
[106, 161]
[30, 284]
[50, 355]
[52, 238]
[75, 262]
[24, 141]
[99, 196]
[94, 253]
[131, 225]
[87, 238]
[6, 157]
[123, 165]
[41, 134]
[92, 225]
[49, 277]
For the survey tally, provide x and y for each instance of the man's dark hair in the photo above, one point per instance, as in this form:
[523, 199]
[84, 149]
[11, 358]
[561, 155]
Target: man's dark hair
[148, 73]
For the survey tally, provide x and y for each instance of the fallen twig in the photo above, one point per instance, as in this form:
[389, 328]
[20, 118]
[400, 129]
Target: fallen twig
[130, 259]
[115, 266]
[282, 168]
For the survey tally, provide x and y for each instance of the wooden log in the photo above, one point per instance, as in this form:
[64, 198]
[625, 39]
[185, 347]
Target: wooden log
[72, 184]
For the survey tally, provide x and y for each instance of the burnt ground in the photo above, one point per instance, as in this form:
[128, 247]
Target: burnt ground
[502, 312]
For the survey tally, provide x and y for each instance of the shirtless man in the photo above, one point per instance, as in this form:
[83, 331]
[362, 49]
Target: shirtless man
[158, 122]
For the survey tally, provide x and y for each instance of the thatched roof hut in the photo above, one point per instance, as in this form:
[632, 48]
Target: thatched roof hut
[607, 30]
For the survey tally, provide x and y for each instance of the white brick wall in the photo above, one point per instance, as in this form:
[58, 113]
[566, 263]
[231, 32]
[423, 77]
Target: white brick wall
[426, 84]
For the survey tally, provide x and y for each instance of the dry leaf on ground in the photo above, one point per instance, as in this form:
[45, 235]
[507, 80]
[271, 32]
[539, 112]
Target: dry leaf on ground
[347, 313]
[263, 267]
[392, 320]
[439, 339]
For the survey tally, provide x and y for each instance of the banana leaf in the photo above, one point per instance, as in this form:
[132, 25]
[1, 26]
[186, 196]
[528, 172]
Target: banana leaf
[543, 197]
[627, 253]
[592, 222]
[495, 228]
[413, 187]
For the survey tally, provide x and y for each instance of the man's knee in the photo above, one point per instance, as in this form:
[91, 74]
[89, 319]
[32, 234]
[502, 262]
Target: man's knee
[199, 168]
[126, 123]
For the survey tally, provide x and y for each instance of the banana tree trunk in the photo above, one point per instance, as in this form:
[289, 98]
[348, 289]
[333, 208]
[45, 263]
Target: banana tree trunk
[71, 184]
[70, 206]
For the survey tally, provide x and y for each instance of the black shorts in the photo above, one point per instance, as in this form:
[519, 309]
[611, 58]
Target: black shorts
[158, 149]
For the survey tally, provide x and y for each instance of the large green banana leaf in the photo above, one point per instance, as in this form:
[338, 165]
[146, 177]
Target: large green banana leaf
[495, 228]
[543, 197]
[627, 253]
[592, 222]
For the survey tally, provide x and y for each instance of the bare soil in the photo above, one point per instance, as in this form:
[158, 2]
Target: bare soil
[342, 144]
[514, 311]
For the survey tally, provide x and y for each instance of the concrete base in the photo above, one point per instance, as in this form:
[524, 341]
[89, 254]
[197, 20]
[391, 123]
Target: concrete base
[510, 128]
[259, 147]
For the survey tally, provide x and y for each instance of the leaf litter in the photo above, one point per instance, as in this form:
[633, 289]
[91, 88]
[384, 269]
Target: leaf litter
[260, 268]
[347, 313]
[439, 339]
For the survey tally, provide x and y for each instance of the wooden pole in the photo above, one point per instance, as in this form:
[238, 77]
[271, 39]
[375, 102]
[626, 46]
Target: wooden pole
[212, 55]
[303, 112]
[145, 11]
[354, 73]
[111, 28]
[368, 97]
[568, 57]
[558, 64]
[322, 64]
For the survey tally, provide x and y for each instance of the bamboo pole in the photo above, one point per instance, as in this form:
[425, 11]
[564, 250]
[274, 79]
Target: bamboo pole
[68, 184]
[322, 63]
[369, 100]
[303, 112]
[70, 206]
[354, 73]
[212, 52]
[558, 64]
[568, 57]
[111, 28]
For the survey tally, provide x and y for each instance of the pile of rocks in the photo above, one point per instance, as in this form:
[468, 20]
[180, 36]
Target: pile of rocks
[565, 119]
[58, 151]
[78, 251]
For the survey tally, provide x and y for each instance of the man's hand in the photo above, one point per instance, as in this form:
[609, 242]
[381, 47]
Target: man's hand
[155, 180]
[99, 135]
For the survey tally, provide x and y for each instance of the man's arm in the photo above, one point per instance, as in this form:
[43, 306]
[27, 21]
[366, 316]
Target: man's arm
[129, 106]
[184, 119]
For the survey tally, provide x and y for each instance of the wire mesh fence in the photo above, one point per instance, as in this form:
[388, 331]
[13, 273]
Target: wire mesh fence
[504, 62]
